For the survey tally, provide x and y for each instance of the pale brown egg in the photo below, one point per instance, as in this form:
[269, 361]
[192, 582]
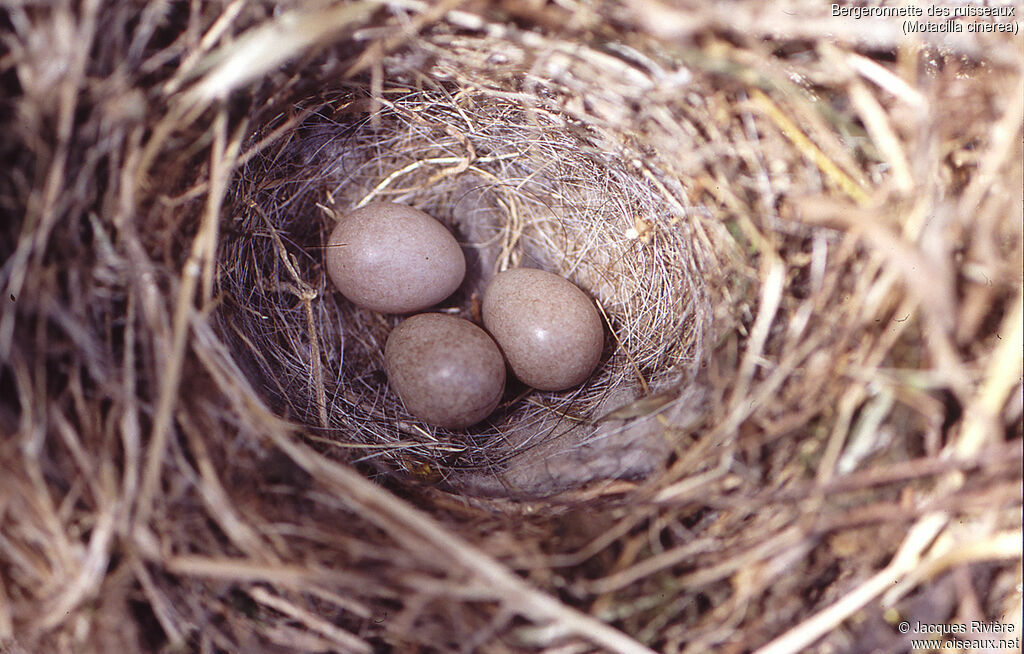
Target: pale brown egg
[392, 258]
[549, 330]
[447, 371]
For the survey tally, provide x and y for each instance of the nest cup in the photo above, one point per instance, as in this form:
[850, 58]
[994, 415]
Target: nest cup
[519, 186]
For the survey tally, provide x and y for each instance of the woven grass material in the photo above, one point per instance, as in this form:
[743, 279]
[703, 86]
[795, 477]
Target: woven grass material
[519, 187]
[806, 427]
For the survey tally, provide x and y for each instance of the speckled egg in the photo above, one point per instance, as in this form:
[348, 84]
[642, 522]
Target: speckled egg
[392, 258]
[447, 371]
[548, 329]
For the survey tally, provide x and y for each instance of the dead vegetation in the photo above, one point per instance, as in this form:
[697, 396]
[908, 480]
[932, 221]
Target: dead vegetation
[808, 251]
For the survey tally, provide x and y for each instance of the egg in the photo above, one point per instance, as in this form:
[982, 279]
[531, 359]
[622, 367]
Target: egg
[447, 371]
[394, 259]
[548, 329]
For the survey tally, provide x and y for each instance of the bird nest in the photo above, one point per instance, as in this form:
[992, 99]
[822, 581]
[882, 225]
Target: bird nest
[519, 185]
[804, 432]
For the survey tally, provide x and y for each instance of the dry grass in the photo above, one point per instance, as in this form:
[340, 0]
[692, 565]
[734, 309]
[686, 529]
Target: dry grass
[518, 191]
[807, 426]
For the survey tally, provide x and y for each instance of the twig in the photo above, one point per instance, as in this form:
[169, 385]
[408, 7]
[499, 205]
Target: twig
[342, 638]
[203, 246]
[414, 529]
[810, 150]
[804, 634]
